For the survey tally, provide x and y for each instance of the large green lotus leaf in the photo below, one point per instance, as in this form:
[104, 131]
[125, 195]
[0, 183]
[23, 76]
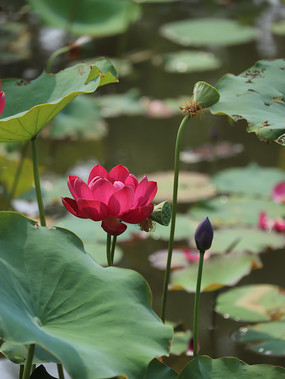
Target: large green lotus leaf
[266, 338]
[159, 370]
[241, 239]
[190, 61]
[80, 119]
[256, 95]
[208, 32]
[97, 18]
[192, 186]
[30, 105]
[204, 367]
[184, 229]
[254, 303]
[218, 271]
[54, 295]
[236, 211]
[250, 180]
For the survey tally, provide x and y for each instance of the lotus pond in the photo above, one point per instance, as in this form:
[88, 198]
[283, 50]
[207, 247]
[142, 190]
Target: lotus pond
[107, 93]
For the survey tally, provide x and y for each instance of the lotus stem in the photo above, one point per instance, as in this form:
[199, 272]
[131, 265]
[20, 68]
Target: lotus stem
[54, 55]
[60, 371]
[114, 240]
[37, 181]
[173, 216]
[21, 371]
[196, 304]
[29, 361]
[108, 250]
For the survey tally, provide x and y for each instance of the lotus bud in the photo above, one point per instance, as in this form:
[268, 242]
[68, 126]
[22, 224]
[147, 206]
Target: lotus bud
[204, 235]
[162, 213]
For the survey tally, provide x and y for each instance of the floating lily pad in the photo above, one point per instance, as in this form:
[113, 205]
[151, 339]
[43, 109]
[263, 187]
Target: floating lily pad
[257, 96]
[208, 32]
[190, 61]
[54, 295]
[97, 18]
[206, 367]
[192, 186]
[250, 180]
[240, 239]
[30, 105]
[184, 229]
[80, 119]
[266, 338]
[254, 303]
[128, 104]
[211, 152]
[180, 342]
[236, 211]
[218, 271]
[179, 258]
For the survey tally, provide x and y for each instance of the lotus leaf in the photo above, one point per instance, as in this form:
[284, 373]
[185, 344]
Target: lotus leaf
[254, 303]
[190, 61]
[184, 229]
[204, 367]
[192, 186]
[97, 18]
[236, 211]
[266, 338]
[54, 295]
[218, 271]
[159, 370]
[32, 104]
[256, 95]
[208, 32]
[251, 180]
[80, 119]
[241, 239]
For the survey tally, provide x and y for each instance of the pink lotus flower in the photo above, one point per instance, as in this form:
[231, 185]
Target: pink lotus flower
[111, 198]
[2, 100]
[278, 193]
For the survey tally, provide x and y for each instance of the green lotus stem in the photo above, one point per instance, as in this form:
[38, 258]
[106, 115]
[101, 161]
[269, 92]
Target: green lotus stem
[17, 174]
[21, 371]
[196, 304]
[108, 250]
[37, 181]
[54, 55]
[173, 215]
[29, 361]
[60, 371]
[113, 248]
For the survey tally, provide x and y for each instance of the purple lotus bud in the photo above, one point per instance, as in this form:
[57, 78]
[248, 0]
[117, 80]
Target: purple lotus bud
[204, 235]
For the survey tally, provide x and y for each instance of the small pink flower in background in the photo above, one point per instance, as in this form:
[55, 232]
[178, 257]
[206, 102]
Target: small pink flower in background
[2, 100]
[267, 223]
[111, 198]
[190, 349]
[278, 193]
[194, 255]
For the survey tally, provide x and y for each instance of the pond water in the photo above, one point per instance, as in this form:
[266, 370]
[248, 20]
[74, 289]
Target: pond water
[146, 145]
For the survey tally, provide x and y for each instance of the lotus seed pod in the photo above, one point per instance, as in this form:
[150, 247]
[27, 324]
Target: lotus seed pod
[162, 213]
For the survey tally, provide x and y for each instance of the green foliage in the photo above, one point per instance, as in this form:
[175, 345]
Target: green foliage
[53, 294]
[208, 32]
[254, 303]
[204, 367]
[257, 96]
[97, 18]
[218, 271]
[32, 104]
[265, 338]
